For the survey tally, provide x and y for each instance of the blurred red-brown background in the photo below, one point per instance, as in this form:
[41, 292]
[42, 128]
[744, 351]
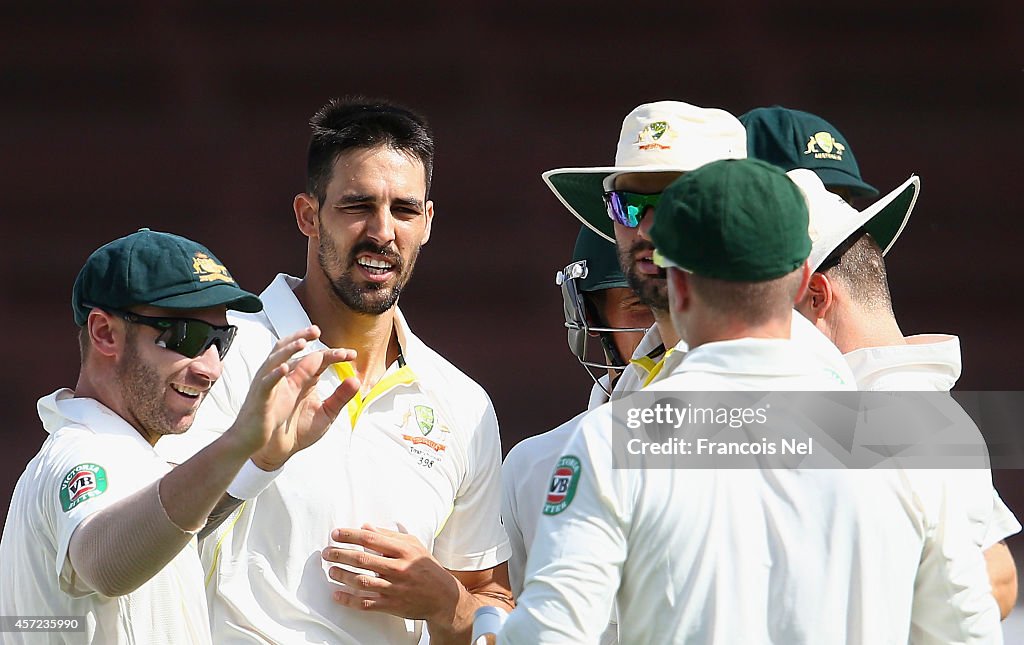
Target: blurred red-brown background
[192, 119]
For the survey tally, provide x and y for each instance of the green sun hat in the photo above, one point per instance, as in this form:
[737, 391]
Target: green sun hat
[738, 220]
[794, 139]
[159, 269]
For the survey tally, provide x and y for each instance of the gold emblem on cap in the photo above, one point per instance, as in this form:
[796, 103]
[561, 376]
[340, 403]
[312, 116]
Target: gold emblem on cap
[824, 146]
[208, 270]
[652, 137]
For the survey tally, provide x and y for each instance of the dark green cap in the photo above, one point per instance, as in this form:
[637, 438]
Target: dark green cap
[794, 139]
[741, 220]
[159, 269]
[603, 271]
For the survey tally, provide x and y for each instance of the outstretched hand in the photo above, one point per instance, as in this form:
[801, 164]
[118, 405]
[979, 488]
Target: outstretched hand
[282, 412]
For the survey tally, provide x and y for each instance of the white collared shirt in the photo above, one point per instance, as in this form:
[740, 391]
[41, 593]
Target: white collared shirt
[736, 556]
[933, 362]
[420, 453]
[926, 362]
[528, 466]
[92, 459]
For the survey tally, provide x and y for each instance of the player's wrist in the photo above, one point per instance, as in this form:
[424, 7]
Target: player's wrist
[240, 441]
[452, 621]
[269, 460]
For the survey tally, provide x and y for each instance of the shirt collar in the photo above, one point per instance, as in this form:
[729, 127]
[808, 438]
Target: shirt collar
[933, 356]
[754, 356]
[62, 408]
[649, 343]
[286, 315]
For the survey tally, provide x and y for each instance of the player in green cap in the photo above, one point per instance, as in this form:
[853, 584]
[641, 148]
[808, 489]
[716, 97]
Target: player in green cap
[701, 555]
[101, 531]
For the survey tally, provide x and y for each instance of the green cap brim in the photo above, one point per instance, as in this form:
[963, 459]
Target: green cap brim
[218, 295]
[834, 177]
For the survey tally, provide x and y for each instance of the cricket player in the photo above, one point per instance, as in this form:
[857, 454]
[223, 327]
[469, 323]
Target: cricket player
[391, 523]
[598, 301]
[850, 273]
[657, 143]
[757, 556]
[597, 296]
[100, 527]
[848, 298]
[792, 139]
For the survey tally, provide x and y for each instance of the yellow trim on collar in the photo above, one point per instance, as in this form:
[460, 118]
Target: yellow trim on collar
[402, 376]
[646, 363]
[655, 369]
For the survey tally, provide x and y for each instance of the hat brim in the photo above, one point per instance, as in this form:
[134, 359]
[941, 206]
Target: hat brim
[884, 220]
[218, 295]
[835, 177]
[581, 190]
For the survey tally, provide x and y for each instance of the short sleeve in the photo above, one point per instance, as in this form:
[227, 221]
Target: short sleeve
[510, 520]
[1002, 523]
[86, 475]
[473, 538]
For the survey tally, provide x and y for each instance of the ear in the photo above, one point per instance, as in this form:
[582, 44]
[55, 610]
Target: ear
[678, 290]
[429, 212]
[818, 299]
[106, 336]
[307, 209]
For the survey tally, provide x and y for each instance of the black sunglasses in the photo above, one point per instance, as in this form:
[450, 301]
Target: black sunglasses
[187, 336]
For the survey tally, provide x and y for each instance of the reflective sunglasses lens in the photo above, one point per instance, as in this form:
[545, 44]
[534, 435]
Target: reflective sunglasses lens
[628, 208]
[190, 338]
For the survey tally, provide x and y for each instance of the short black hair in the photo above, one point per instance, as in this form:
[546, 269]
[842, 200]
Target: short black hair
[357, 122]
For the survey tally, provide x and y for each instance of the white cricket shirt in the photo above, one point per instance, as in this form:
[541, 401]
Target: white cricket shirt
[419, 452]
[933, 362]
[91, 459]
[737, 556]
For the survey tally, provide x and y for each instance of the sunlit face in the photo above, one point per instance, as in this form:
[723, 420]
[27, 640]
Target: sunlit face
[160, 389]
[374, 219]
[634, 244]
[622, 309]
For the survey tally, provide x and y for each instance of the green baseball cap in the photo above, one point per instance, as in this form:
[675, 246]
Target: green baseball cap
[741, 220]
[794, 139]
[603, 270]
[159, 269]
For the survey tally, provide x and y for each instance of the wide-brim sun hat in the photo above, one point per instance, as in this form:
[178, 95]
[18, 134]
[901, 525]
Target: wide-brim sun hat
[665, 136]
[833, 221]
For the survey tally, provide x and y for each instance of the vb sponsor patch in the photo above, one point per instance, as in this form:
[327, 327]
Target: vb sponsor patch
[562, 488]
[82, 482]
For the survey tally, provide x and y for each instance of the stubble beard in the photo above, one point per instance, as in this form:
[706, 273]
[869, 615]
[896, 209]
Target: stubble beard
[368, 298]
[650, 290]
[142, 390]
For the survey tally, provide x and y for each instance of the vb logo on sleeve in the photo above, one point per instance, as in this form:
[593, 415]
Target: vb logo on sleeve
[563, 485]
[82, 482]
